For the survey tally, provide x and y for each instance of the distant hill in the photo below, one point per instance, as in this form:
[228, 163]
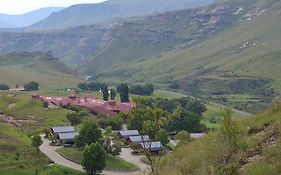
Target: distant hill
[13, 21]
[228, 52]
[22, 67]
[85, 14]
[5, 24]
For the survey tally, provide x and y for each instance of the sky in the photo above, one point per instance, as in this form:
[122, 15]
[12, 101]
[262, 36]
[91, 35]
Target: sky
[22, 6]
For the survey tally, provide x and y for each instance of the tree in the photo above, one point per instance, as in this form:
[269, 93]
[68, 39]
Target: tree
[229, 129]
[74, 118]
[162, 137]
[4, 87]
[123, 89]
[112, 93]
[31, 86]
[116, 149]
[36, 142]
[147, 89]
[89, 133]
[46, 131]
[105, 121]
[93, 158]
[105, 93]
[184, 120]
[183, 136]
[83, 86]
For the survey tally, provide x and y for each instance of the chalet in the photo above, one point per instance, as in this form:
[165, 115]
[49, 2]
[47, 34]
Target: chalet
[139, 139]
[64, 129]
[153, 147]
[128, 133]
[67, 138]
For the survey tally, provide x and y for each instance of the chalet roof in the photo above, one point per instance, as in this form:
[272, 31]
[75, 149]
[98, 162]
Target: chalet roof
[129, 133]
[139, 139]
[63, 129]
[152, 146]
[67, 136]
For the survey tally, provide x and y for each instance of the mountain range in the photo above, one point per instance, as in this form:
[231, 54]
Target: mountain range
[27, 19]
[86, 14]
[227, 51]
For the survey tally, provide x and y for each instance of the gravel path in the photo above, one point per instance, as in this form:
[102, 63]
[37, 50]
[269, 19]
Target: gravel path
[50, 151]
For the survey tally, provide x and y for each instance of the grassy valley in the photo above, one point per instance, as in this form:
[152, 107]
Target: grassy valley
[240, 61]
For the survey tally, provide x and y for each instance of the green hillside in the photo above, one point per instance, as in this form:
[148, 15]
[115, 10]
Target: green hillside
[254, 149]
[87, 14]
[240, 62]
[22, 67]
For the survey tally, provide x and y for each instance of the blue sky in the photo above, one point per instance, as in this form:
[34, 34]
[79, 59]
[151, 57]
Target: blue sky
[23, 6]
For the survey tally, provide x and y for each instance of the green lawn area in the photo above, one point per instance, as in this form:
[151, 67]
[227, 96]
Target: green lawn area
[112, 163]
[17, 156]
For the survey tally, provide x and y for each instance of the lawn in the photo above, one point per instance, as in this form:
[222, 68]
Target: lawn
[112, 163]
[24, 107]
[17, 156]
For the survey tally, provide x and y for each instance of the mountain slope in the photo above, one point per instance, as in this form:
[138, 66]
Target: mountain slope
[254, 148]
[241, 59]
[21, 67]
[12, 21]
[85, 14]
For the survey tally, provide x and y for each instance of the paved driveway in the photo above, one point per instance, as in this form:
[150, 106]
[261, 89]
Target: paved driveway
[50, 151]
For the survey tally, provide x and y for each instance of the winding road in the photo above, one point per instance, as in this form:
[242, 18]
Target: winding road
[50, 151]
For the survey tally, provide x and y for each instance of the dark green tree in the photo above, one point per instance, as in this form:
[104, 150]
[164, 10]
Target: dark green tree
[83, 86]
[162, 137]
[31, 86]
[89, 133]
[123, 89]
[105, 93]
[93, 159]
[4, 87]
[74, 118]
[36, 142]
[112, 94]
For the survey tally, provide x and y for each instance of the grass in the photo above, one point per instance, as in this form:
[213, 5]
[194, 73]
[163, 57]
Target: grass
[213, 154]
[25, 107]
[214, 65]
[112, 163]
[17, 156]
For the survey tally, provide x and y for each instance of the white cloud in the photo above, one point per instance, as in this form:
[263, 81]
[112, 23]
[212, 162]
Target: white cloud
[23, 6]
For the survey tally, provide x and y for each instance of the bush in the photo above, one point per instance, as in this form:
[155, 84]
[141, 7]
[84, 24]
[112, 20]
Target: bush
[4, 87]
[147, 89]
[114, 122]
[31, 86]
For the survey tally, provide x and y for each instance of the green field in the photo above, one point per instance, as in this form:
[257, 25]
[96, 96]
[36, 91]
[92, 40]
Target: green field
[112, 163]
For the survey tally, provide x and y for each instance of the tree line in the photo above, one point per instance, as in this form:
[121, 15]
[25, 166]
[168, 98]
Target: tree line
[30, 86]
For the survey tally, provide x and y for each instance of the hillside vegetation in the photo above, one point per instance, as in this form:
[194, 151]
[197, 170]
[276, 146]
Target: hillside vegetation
[238, 64]
[228, 51]
[24, 117]
[250, 146]
[86, 14]
[19, 68]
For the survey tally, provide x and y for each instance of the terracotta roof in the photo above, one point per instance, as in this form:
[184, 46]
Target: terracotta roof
[92, 103]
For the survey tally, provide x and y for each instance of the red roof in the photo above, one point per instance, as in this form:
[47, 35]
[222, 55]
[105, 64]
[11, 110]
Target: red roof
[91, 103]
